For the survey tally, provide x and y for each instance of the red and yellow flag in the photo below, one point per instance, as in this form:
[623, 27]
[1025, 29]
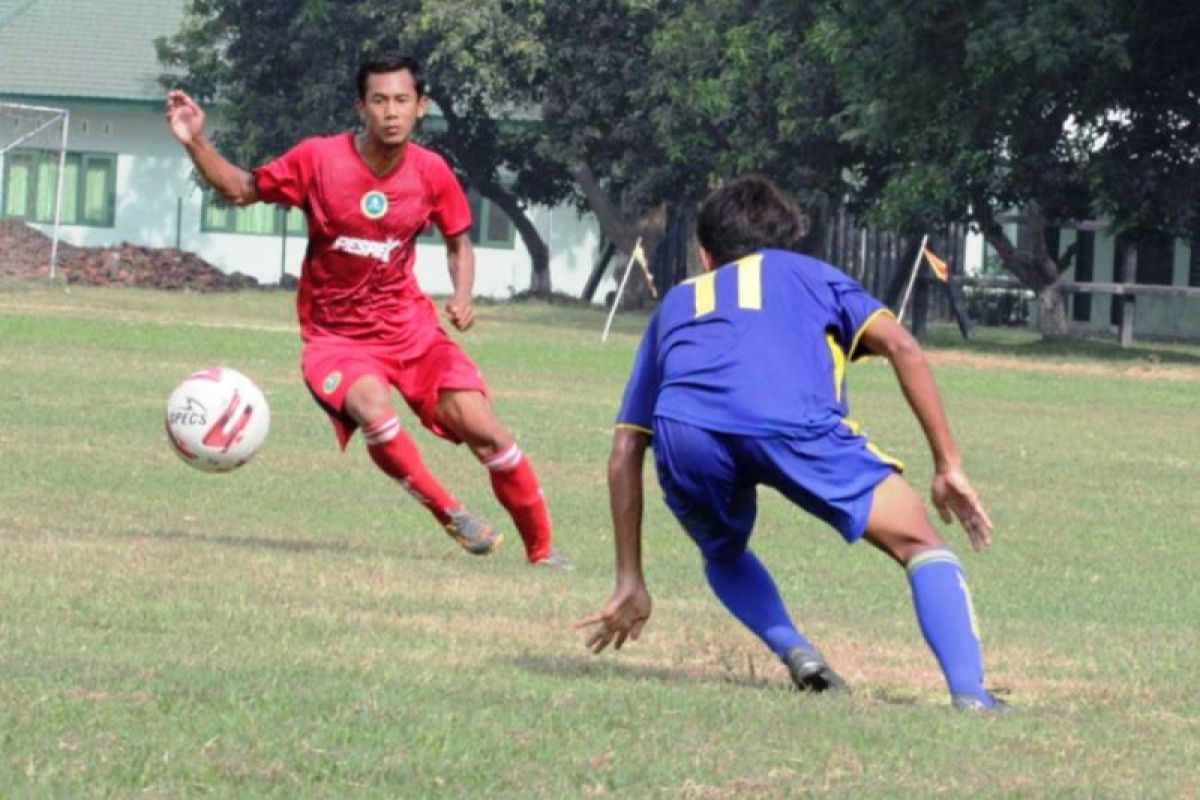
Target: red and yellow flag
[940, 268]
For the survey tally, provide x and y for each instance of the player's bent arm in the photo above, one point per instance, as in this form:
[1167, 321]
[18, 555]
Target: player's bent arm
[460, 259]
[885, 336]
[230, 181]
[626, 612]
[952, 493]
[626, 501]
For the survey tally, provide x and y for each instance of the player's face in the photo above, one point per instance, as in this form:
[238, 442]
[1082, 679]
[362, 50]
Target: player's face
[391, 107]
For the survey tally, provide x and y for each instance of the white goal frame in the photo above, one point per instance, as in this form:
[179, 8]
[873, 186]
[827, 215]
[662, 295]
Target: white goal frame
[60, 116]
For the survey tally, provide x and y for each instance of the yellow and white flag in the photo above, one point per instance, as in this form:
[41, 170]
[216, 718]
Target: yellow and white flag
[940, 268]
[639, 255]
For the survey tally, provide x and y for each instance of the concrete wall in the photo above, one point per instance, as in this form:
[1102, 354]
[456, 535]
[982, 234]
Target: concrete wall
[1154, 317]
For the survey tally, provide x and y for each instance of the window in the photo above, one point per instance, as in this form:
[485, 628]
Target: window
[1156, 259]
[1194, 266]
[259, 219]
[1081, 304]
[490, 227]
[89, 187]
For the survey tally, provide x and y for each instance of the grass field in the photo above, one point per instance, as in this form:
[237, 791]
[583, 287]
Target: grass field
[301, 629]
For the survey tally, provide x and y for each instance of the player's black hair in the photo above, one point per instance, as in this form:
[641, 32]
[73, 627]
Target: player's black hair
[380, 63]
[747, 215]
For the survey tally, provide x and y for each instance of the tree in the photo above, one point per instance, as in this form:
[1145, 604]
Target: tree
[653, 102]
[283, 71]
[740, 92]
[598, 116]
[967, 110]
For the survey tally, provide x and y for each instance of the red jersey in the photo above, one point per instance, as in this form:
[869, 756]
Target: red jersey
[357, 281]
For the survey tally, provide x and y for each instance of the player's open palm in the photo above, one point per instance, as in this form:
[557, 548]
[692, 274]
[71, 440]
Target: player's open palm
[185, 118]
[953, 494]
[622, 618]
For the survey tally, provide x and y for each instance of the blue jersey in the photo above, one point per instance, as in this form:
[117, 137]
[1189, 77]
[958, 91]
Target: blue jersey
[757, 347]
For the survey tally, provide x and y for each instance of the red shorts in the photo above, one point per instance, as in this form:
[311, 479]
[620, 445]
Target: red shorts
[331, 367]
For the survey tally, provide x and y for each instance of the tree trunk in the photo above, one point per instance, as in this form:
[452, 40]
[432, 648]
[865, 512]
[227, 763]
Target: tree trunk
[1052, 313]
[614, 222]
[614, 227]
[539, 252]
[1038, 269]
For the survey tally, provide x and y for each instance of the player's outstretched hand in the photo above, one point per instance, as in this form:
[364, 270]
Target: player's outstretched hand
[461, 313]
[185, 118]
[952, 494]
[622, 618]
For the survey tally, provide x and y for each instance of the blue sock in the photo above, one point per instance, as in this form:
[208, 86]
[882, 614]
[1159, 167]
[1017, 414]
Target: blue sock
[943, 607]
[745, 587]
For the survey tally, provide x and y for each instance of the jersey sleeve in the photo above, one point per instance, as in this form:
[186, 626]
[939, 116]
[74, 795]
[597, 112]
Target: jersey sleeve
[855, 309]
[451, 211]
[641, 392]
[287, 179]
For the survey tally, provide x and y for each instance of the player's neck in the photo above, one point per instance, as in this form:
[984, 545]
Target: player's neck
[379, 157]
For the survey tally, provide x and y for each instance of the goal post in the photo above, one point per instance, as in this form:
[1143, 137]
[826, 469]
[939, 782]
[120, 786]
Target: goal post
[37, 135]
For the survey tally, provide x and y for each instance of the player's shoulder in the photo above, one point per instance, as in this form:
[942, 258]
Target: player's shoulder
[320, 146]
[425, 158]
[807, 269]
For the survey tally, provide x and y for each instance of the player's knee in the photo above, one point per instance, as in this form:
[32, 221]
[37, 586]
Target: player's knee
[368, 401]
[721, 552]
[907, 547]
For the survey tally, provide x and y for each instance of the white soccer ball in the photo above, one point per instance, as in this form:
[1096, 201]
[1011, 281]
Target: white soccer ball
[217, 419]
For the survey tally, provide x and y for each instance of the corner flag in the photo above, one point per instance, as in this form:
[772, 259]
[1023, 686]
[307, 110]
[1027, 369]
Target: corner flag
[639, 255]
[941, 269]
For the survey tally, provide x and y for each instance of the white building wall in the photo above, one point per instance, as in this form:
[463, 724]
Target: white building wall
[158, 204]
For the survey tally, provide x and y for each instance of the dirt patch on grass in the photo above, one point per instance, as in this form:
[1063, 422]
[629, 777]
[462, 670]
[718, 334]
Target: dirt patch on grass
[1132, 371]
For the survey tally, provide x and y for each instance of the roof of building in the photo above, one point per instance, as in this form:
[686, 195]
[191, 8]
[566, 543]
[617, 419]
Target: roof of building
[102, 49]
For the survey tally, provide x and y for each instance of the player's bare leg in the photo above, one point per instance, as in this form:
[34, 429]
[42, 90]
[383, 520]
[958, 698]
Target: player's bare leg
[369, 403]
[470, 416]
[899, 526]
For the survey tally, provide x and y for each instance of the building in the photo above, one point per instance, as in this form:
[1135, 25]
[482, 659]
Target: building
[127, 180]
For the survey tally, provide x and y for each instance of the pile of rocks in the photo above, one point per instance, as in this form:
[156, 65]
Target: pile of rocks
[25, 253]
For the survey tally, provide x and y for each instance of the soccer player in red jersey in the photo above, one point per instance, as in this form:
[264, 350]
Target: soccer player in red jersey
[365, 323]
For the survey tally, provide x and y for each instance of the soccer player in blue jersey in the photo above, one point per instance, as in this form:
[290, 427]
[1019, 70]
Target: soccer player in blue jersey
[739, 382]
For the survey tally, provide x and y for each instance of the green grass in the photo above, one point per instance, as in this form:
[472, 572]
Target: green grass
[299, 628]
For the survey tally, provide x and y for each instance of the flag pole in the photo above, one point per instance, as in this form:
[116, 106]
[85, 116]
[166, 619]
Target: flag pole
[912, 279]
[620, 290]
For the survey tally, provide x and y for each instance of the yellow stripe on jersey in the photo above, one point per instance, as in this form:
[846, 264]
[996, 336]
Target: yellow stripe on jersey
[705, 287]
[749, 270]
[861, 328]
[631, 427]
[839, 366]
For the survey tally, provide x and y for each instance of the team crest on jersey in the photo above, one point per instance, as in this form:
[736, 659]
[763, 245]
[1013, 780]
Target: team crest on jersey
[331, 382]
[374, 204]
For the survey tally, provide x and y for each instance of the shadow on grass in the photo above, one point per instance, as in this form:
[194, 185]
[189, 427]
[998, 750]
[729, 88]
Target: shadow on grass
[256, 542]
[590, 667]
[1022, 343]
[581, 666]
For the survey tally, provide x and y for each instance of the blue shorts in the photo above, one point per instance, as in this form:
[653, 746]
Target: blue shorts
[710, 479]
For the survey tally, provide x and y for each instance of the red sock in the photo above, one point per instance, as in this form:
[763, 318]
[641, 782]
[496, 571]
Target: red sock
[516, 487]
[394, 452]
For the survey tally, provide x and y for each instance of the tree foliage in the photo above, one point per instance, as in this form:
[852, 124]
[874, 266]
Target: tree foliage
[966, 110]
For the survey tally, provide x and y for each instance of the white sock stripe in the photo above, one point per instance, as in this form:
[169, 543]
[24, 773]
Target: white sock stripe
[931, 556]
[383, 431]
[506, 460]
